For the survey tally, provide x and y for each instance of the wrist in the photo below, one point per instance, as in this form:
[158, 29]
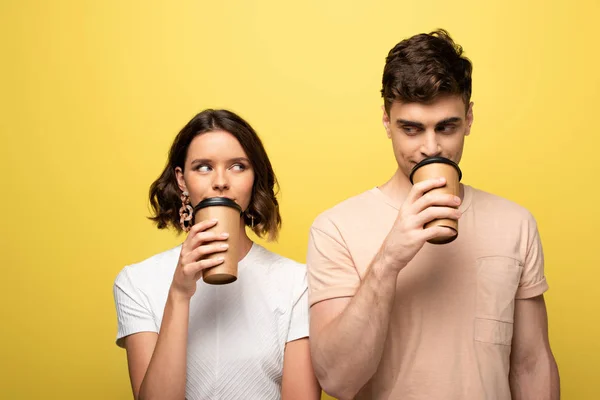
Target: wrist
[390, 257]
[177, 296]
[385, 268]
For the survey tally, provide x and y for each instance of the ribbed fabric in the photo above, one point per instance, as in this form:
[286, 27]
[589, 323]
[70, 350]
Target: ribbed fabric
[237, 332]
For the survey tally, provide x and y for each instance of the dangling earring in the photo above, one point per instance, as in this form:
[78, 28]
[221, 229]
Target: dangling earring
[248, 215]
[186, 212]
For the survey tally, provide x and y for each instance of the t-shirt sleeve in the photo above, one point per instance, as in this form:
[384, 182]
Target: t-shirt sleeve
[133, 310]
[331, 270]
[300, 314]
[533, 282]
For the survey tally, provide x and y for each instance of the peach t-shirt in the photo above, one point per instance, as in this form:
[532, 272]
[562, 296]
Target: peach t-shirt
[451, 327]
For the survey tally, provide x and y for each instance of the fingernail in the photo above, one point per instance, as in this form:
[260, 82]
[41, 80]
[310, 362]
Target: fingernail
[225, 234]
[224, 246]
[214, 220]
[442, 179]
[456, 199]
[221, 258]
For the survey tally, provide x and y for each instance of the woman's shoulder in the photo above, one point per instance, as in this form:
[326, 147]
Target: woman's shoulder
[275, 263]
[282, 277]
[265, 256]
[156, 268]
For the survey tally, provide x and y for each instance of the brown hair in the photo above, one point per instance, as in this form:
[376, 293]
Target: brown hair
[165, 193]
[420, 68]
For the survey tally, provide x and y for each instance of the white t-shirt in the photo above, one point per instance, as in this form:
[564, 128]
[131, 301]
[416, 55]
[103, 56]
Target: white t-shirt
[237, 332]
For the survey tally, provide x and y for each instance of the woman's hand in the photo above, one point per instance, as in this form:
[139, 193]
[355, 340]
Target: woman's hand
[192, 259]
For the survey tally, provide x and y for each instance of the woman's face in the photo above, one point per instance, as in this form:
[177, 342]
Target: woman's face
[216, 166]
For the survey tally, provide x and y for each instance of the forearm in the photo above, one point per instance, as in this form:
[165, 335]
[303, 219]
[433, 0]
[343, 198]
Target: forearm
[298, 381]
[165, 378]
[348, 350]
[539, 379]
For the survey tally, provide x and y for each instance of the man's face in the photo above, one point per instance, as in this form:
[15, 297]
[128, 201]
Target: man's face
[422, 130]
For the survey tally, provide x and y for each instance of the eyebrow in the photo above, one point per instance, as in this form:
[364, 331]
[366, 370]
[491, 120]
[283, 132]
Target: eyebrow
[200, 161]
[450, 120]
[238, 159]
[405, 122]
[208, 160]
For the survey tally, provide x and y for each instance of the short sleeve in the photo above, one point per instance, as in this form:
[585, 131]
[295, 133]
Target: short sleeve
[331, 270]
[300, 315]
[134, 314]
[533, 282]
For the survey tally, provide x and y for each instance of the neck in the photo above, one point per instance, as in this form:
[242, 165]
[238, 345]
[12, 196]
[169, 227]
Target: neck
[397, 187]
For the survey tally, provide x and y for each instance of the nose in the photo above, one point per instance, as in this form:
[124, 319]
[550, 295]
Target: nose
[430, 146]
[220, 182]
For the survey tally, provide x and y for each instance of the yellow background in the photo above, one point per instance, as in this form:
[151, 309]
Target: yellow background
[93, 92]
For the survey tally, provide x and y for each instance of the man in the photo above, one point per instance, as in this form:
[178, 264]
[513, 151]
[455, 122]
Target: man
[394, 317]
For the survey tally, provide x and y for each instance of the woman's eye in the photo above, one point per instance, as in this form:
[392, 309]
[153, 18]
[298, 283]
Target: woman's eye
[238, 167]
[203, 168]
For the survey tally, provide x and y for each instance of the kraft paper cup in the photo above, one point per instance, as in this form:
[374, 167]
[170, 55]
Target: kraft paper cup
[228, 213]
[433, 168]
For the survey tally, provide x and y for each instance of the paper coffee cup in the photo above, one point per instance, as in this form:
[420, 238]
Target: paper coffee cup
[438, 167]
[228, 213]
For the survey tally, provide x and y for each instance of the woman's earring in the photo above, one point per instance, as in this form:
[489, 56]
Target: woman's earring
[251, 217]
[186, 212]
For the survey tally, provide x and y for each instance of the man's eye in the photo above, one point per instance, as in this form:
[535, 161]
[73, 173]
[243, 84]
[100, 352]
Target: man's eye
[447, 128]
[410, 130]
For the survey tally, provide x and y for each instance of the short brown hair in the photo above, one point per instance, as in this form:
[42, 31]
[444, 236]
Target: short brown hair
[165, 194]
[420, 68]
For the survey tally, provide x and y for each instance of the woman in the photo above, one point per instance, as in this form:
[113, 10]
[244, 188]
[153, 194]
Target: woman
[187, 339]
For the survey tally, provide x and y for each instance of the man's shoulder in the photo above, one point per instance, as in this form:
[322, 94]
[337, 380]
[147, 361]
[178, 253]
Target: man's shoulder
[351, 209]
[499, 206]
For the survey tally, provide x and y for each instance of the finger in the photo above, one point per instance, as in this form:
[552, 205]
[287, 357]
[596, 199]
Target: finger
[431, 213]
[190, 270]
[437, 231]
[420, 188]
[202, 252]
[205, 237]
[203, 225]
[196, 228]
[435, 199]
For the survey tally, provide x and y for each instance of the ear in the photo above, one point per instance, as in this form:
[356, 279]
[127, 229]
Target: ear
[386, 122]
[180, 180]
[469, 119]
